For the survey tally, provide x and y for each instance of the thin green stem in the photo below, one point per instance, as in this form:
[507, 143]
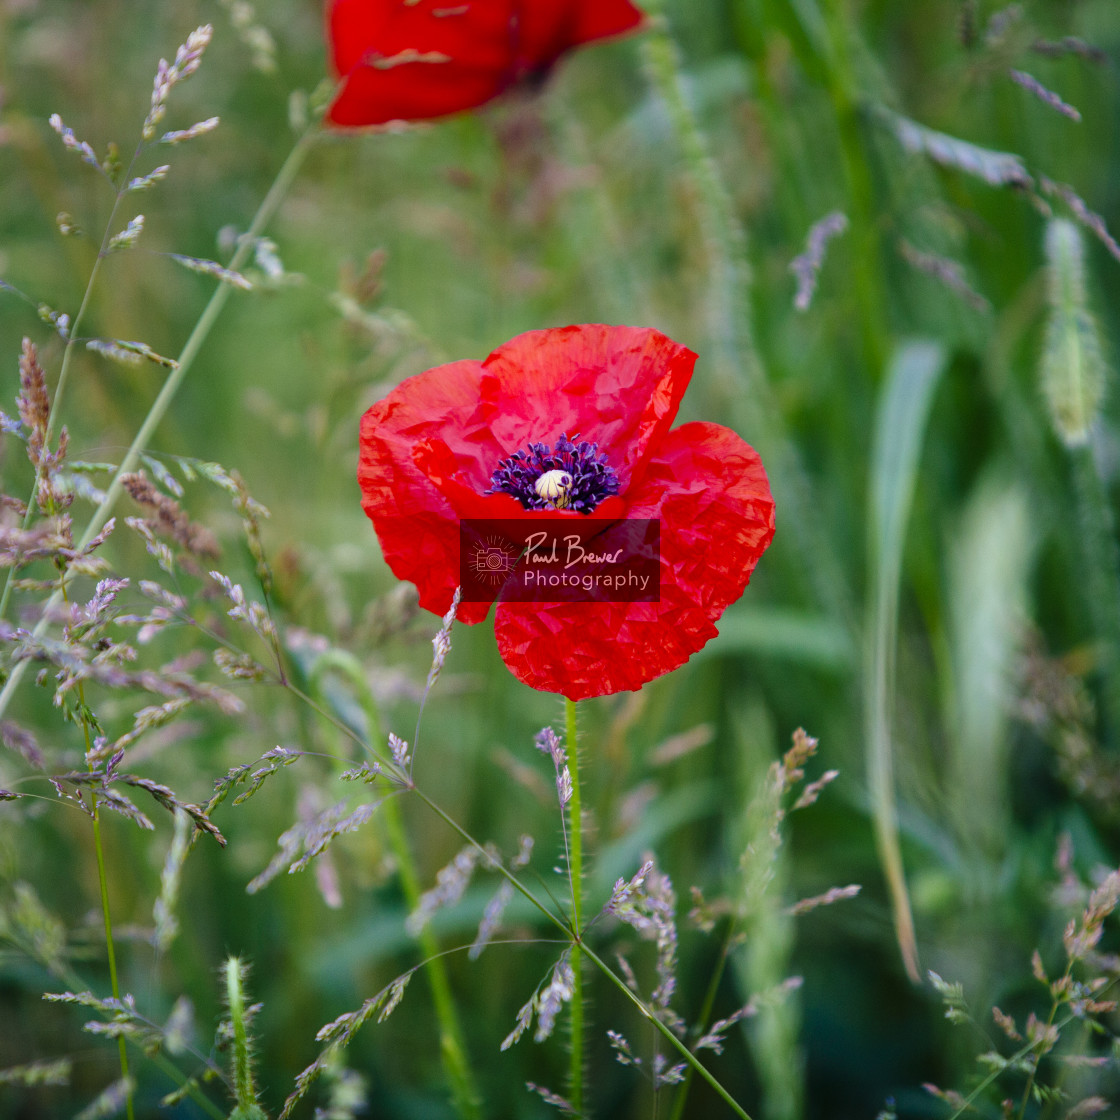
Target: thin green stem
[666, 1033]
[102, 880]
[575, 871]
[198, 336]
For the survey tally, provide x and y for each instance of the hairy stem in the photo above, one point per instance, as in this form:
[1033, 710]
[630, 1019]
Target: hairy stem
[575, 871]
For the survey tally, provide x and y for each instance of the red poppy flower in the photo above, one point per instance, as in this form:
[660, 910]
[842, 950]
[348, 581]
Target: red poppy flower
[417, 59]
[464, 441]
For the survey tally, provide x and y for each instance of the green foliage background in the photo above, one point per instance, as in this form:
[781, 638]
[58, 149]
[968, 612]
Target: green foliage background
[592, 202]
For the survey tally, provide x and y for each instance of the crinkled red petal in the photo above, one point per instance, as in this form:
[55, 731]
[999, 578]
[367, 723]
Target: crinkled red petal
[548, 28]
[417, 527]
[417, 61]
[710, 492]
[424, 59]
[619, 387]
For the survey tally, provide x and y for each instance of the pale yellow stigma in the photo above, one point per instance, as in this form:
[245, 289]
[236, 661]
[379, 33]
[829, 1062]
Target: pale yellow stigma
[553, 487]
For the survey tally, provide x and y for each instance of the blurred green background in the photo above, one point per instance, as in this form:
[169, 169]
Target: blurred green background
[632, 189]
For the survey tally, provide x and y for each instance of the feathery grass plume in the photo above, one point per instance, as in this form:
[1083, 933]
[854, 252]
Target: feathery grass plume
[248, 1105]
[1072, 364]
[169, 518]
[72, 143]
[949, 272]
[999, 169]
[55, 1072]
[648, 904]
[212, 268]
[255, 36]
[166, 922]
[23, 742]
[187, 60]
[307, 839]
[128, 236]
[1047, 96]
[129, 352]
[338, 1034]
[554, 1099]
[451, 883]
[1070, 44]
[807, 266]
[34, 406]
[29, 925]
[109, 1102]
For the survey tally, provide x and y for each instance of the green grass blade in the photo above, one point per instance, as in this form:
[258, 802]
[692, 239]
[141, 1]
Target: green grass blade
[900, 423]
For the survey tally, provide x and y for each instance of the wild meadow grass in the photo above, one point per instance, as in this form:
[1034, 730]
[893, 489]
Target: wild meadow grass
[858, 857]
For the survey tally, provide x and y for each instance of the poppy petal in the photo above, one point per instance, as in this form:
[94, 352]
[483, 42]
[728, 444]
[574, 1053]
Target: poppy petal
[416, 525]
[416, 61]
[710, 492]
[619, 387]
[549, 28]
[422, 59]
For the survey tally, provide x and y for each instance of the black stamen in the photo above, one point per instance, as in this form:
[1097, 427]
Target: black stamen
[593, 478]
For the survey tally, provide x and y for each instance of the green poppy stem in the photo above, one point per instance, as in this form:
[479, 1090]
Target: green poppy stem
[575, 869]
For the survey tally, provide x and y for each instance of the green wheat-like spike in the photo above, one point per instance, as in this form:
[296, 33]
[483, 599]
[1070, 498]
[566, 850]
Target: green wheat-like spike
[245, 1091]
[1072, 365]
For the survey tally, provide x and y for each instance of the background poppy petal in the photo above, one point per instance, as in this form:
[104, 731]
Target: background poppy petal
[417, 61]
[549, 28]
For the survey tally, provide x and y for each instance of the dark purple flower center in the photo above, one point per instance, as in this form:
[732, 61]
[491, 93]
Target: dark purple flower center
[567, 475]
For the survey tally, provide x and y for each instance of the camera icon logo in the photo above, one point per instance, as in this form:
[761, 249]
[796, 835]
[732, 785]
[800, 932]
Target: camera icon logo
[493, 560]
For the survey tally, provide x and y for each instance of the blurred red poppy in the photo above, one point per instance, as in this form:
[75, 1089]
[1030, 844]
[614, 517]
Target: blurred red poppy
[417, 59]
[490, 440]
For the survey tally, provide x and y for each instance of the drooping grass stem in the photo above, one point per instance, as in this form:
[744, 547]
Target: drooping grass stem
[575, 870]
